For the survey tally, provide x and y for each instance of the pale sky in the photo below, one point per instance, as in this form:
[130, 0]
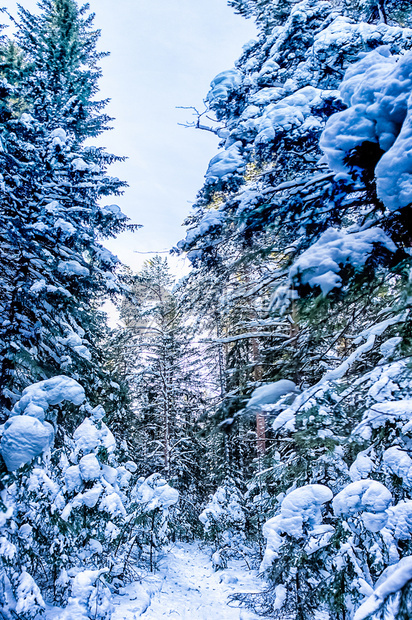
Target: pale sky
[164, 53]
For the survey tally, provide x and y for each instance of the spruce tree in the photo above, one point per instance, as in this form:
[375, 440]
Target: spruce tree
[54, 204]
[159, 355]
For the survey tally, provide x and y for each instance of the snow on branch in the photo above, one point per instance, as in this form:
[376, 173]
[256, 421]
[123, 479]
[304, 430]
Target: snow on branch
[393, 579]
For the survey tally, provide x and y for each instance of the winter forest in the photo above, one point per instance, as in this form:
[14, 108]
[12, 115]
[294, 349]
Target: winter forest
[240, 445]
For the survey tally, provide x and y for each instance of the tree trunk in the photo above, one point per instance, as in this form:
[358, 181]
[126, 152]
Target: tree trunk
[260, 416]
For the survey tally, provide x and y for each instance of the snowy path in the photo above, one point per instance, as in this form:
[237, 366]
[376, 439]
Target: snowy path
[187, 588]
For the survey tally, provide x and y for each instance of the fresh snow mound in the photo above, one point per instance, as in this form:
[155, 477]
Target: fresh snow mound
[29, 598]
[79, 165]
[72, 268]
[26, 435]
[225, 163]
[400, 520]
[211, 220]
[399, 463]
[73, 479]
[361, 468]
[90, 597]
[154, 492]
[86, 436]
[112, 504]
[91, 434]
[284, 115]
[89, 468]
[222, 86]
[223, 506]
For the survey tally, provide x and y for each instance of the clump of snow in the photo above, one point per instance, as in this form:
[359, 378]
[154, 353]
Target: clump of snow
[154, 492]
[131, 466]
[285, 420]
[300, 507]
[211, 220]
[66, 227]
[58, 139]
[280, 597]
[90, 597]
[25, 434]
[388, 348]
[89, 468]
[8, 551]
[400, 520]
[112, 504]
[224, 509]
[225, 163]
[40, 482]
[377, 90]
[90, 435]
[74, 342]
[361, 468]
[113, 210]
[345, 33]
[368, 497]
[86, 436]
[222, 86]
[72, 268]
[24, 438]
[399, 463]
[111, 531]
[109, 473]
[271, 393]
[382, 389]
[289, 112]
[267, 95]
[26, 119]
[29, 598]
[90, 497]
[79, 165]
[321, 263]
[60, 134]
[38, 397]
[73, 479]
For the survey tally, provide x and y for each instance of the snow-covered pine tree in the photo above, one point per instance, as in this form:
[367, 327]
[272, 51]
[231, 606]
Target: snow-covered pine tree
[54, 211]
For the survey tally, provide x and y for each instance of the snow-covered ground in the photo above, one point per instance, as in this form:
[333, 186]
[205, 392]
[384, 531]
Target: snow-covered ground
[187, 587]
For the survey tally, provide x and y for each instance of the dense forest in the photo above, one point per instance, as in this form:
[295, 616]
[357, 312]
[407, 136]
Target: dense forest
[260, 407]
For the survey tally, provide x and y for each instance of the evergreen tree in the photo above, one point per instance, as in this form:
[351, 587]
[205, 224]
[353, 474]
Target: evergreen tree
[55, 270]
[169, 392]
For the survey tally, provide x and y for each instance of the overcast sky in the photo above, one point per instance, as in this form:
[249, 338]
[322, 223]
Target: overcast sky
[164, 53]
